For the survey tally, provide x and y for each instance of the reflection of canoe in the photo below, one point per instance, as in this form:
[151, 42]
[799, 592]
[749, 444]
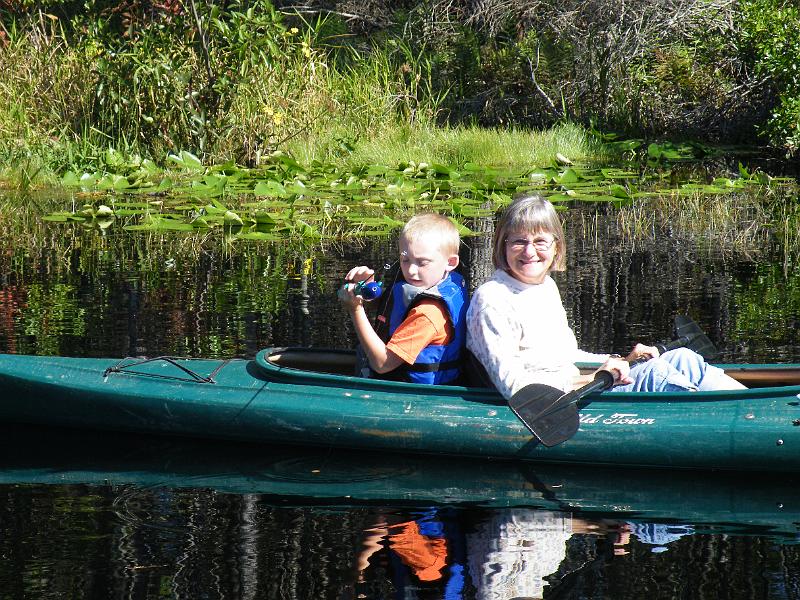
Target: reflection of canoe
[716, 502]
[274, 399]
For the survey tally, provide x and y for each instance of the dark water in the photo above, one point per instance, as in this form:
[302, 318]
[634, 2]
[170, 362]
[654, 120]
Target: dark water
[91, 516]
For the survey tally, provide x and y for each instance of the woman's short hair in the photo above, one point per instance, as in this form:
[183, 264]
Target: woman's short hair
[433, 223]
[528, 214]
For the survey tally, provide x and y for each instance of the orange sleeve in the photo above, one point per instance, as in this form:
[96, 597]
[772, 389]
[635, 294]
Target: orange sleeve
[427, 323]
[426, 556]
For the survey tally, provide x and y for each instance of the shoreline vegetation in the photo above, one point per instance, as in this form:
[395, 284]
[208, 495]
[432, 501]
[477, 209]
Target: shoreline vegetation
[272, 123]
[89, 87]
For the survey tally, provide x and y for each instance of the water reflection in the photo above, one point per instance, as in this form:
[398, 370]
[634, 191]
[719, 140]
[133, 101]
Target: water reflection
[216, 520]
[512, 551]
[119, 517]
[499, 554]
[82, 295]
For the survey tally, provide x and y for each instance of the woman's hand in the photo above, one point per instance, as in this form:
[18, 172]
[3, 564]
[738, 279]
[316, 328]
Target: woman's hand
[619, 368]
[642, 351]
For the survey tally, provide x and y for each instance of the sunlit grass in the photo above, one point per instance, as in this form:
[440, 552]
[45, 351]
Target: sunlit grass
[393, 144]
[350, 113]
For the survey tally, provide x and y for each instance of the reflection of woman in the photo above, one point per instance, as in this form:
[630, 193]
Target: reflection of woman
[657, 536]
[517, 326]
[512, 551]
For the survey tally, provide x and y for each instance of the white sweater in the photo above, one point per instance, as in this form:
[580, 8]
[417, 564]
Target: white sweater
[519, 332]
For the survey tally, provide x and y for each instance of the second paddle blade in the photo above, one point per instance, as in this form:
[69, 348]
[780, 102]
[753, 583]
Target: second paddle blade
[698, 340]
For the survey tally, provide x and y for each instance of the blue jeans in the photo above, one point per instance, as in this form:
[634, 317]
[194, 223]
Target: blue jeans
[679, 370]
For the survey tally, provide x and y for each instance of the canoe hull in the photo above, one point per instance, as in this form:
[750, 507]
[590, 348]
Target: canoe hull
[257, 401]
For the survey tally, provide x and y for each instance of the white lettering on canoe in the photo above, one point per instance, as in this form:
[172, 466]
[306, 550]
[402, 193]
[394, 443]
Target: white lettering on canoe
[616, 419]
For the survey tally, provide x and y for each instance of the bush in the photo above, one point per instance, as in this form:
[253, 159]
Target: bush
[770, 46]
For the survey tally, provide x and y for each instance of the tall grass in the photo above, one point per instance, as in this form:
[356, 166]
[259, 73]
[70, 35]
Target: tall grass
[511, 148]
[67, 97]
[736, 222]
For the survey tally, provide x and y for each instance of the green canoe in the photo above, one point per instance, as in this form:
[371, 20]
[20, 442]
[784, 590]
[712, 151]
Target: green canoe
[299, 396]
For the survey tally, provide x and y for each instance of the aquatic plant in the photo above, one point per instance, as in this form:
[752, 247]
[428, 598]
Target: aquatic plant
[282, 199]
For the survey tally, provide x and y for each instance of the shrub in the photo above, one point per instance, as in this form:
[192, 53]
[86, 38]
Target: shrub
[770, 46]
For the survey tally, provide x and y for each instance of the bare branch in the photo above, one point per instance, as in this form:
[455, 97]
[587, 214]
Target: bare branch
[539, 89]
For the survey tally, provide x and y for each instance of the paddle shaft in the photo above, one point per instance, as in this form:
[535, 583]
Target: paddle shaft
[604, 380]
[552, 416]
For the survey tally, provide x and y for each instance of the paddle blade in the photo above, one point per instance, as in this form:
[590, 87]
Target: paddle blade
[532, 400]
[557, 426]
[549, 413]
[697, 339]
[545, 410]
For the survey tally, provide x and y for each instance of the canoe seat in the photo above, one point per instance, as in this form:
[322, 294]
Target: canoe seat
[336, 362]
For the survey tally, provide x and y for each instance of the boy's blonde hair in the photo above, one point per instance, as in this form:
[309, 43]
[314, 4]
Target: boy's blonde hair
[529, 214]
[441, 226]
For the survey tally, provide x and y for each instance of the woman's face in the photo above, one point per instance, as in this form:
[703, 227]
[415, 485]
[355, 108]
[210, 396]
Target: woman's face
[530, 255]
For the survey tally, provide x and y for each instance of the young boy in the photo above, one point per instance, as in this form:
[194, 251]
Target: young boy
[425, 313]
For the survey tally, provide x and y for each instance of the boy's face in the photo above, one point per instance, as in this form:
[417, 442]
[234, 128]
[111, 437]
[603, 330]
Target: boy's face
[422, 261]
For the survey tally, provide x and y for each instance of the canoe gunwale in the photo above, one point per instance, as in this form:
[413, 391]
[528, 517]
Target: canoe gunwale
[293, 374]
[299, 361]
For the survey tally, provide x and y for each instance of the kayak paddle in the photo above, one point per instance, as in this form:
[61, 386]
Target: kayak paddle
[685, 327]
[552, 415]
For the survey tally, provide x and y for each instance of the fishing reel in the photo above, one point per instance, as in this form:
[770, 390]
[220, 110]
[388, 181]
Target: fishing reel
[368, 290]
[372, 290]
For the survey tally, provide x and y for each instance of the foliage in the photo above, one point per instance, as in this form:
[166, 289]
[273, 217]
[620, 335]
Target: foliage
[659, 67]
[239, 80]
[173, 83]
[226, 81]
[770, 42]
[509, 147]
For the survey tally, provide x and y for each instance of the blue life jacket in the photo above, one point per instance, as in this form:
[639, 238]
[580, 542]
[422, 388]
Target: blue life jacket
[437, 363]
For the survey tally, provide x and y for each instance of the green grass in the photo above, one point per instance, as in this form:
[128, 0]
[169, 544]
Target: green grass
[65, 102]
[509, 148]
[514, 149]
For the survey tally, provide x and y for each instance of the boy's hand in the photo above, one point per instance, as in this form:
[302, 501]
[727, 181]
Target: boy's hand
[357, 274]
[346, 293]
[348, 298]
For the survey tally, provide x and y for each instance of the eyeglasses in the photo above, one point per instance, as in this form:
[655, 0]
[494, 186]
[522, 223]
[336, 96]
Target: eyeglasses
[539, 244]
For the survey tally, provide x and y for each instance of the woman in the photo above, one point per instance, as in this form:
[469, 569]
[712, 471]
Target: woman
[517, 326]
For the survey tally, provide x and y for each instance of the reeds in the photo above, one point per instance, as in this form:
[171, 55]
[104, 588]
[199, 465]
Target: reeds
[740, 223]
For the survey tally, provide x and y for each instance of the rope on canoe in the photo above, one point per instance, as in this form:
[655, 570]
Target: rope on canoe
[125, 369]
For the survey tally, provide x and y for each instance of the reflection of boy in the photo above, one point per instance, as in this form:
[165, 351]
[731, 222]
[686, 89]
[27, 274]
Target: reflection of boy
[431, 547]
[421, 548]
[424, 329]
